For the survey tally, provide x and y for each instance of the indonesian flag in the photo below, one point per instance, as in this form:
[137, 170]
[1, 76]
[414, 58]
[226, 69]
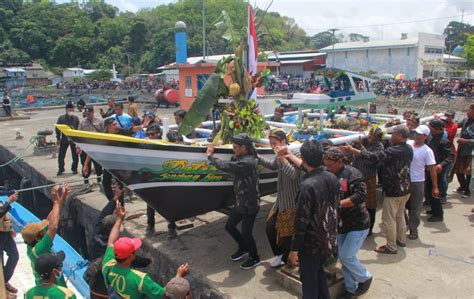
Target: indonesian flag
[253, 47]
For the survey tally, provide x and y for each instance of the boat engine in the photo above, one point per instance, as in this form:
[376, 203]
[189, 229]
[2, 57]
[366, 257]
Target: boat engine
[42, 146]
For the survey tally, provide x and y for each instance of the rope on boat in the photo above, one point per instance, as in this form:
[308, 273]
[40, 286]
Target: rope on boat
[54, 184]
[22, 155]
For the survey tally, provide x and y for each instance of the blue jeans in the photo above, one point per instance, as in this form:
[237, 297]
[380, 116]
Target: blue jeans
[354, 271]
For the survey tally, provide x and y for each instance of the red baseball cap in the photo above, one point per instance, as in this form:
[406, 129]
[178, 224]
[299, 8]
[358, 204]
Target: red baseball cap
[124, 247]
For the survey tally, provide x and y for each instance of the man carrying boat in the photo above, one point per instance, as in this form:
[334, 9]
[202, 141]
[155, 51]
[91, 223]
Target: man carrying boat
[119, 277]
[39, 236]
[7, 243]
[279, 227]
[63, 141]
[243, 167]
[49, 267]
[315, 236]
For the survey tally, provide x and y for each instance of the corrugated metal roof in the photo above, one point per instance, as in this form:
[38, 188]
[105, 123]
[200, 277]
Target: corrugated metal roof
[452, 58]
[294, 61]
[372, 44]
[14, 69]
[272, 56]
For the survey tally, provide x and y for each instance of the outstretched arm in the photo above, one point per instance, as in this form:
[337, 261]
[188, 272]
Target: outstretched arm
[115, 232]
[53, 217]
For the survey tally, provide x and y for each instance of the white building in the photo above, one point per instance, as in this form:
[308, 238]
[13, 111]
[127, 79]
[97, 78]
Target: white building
[417, 57]
[72, 73]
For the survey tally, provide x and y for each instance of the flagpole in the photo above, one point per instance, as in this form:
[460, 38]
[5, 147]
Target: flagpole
[203, 31]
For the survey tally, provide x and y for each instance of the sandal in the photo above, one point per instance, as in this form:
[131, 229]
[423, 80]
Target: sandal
[413, 236]
[384, 249]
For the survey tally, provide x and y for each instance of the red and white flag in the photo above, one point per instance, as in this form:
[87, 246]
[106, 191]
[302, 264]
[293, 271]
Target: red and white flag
[252, 46]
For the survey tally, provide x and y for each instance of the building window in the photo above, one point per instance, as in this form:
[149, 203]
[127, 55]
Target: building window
[188, 80]
[408, 51]
[367, 53]
[389, 52]
[431, 50]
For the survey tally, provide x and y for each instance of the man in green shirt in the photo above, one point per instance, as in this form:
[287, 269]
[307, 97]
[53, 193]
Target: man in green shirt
[49, 267]
[119, 277]
[39, 236]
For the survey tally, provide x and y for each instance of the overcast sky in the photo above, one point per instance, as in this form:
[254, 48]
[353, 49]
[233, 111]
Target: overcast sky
[316, 15]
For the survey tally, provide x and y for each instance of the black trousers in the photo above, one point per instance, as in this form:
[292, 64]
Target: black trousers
[8, 245]
[97, 167]
[372, 213]
[107, 185]
[150, 218]
[313, 277]
[284, 244]
[8, 110]
[464, 182]
[435, 202]
[245, 239]
[62, 154]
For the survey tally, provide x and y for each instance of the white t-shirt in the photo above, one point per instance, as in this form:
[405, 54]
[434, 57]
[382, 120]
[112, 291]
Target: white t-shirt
[422, 156]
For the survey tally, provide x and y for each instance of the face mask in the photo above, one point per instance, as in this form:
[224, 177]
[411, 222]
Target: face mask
[69, 113]
[58, 274]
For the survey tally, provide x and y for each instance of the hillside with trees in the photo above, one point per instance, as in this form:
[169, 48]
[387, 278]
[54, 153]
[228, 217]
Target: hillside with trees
[96, 34]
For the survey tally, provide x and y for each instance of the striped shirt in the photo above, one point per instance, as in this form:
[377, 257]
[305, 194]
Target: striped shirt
[368, 167]
[289, 179]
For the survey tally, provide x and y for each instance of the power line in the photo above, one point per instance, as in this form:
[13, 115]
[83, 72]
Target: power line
[396, 23]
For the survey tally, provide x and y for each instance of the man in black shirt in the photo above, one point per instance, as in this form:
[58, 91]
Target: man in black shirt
[396, 161]
[444, 157]
[243, 166]
[63, 141]
[315, 237]
[354, 222]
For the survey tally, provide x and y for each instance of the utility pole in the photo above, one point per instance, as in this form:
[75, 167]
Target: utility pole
[382, 30]
[333, 42]
[462, 16]
[203, 31]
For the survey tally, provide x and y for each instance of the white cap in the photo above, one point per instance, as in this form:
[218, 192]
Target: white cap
[423, 130]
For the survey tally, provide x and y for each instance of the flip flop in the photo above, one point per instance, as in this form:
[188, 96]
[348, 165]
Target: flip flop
[413, 236]
[385, 250]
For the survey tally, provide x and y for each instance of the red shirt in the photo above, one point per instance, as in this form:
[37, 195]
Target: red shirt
[451, 128]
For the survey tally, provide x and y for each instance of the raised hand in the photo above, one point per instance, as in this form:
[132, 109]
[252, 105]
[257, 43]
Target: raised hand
[13, 197]
[182, 270]
[120, 211]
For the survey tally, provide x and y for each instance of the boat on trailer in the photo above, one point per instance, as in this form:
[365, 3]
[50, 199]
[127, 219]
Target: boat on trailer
[177, 180]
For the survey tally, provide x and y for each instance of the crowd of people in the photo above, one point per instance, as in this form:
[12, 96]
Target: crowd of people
[325, 206]
[422, 87]
[152, 83]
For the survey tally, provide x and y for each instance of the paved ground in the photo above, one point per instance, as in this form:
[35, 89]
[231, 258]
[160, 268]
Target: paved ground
[438, 265]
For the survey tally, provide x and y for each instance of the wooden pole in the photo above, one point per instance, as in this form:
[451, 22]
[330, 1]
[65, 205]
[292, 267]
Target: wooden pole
[3, 291]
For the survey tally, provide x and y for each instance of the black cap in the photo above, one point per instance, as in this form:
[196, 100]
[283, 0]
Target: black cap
[450, 112]
[69, 105]
[136, 121]
[89, 109]
[437, 124]
[45, 263]
[108, 121]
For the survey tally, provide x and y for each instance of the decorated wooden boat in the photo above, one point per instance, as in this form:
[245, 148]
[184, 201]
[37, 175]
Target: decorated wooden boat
[176, 180]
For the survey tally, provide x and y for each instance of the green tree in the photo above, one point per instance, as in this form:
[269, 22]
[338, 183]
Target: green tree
[326, 38]
[356, 37]
[469, 50]
[456, 34]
